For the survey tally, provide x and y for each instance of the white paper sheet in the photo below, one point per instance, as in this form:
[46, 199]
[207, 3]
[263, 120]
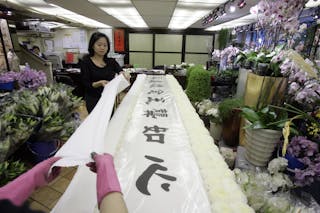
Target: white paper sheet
[80, 196]
[90, 134]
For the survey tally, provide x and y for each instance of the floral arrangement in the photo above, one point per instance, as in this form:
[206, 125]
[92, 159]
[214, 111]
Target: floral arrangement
[46, 114]
[229, 53]
[267, 191]
[216, 54]
[8, 77]
[284, 13]
[208, 108]
[224, 193]
[307, 152]
[313, 127]
[304, 86]
[214, 115]
[203, 106]
[32, 79]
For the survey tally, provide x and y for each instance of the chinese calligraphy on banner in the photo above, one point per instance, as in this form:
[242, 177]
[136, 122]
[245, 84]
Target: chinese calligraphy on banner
[155, 164]
[119, 40]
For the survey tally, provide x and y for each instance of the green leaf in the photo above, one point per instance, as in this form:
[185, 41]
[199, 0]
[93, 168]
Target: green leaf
[250, 114]
[257, 125]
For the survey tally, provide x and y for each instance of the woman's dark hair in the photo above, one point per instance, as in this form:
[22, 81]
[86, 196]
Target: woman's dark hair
[94, 37]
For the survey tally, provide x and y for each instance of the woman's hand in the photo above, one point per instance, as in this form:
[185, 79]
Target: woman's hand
[18, 190]
[107, 179]
[100, 83]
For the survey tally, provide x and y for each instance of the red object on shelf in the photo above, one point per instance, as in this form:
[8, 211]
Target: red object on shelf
[118, 37]
[69, 57]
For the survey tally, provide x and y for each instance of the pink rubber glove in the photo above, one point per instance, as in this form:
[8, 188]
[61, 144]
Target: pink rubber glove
[107, 179]
[18, 190]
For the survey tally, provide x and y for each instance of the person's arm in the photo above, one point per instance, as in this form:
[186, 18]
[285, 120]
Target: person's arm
[113, 203]
[109, 194]
[119, 70]
[18, 190]
[86, 77]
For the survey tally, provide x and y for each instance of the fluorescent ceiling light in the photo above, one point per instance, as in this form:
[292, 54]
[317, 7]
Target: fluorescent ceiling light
[51, 24]
[67, 14]
[186, 14]
[106, 2]
[128, 15]
[40, 6]
[183, 18]
[312, 3]
[122, 10]
[248, 19]
[29, 2]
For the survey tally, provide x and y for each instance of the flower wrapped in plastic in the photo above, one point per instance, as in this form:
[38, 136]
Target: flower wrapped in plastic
[32, 79]
[8, 77]
[307, 152]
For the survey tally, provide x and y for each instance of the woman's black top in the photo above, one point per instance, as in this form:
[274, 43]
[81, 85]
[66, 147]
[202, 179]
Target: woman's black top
[91, 73]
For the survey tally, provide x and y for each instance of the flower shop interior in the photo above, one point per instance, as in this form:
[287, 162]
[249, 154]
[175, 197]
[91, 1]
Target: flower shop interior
[219, 109]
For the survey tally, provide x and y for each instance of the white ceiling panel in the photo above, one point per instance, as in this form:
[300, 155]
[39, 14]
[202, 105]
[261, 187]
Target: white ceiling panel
[161, 8]
[89, 10]
[161, 11]
[155, 13]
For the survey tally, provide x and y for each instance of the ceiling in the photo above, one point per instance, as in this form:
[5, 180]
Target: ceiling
[154, 13]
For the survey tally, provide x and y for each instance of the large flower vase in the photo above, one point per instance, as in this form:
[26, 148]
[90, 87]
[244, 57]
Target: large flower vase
[230, 129]
[261, 91]
[215, 131]
[43, 150]
[260, 144]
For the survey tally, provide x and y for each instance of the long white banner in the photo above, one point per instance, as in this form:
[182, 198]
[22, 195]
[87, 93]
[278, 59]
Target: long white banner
[155, 164]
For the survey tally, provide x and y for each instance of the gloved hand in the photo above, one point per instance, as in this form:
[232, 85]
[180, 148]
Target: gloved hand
[107, 180]
[18, 190]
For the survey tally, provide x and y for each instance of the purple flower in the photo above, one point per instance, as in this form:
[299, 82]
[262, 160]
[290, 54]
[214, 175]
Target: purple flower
[8, 77]
[293, 88]
[32, 79]
[300, 76]
[307, 152]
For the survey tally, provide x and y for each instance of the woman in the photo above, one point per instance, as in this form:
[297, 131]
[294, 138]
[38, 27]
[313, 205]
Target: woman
[97, 69]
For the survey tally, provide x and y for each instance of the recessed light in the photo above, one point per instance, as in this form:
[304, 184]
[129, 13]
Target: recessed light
[232, 9]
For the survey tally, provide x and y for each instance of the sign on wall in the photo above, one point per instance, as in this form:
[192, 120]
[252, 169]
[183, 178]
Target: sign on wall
[119, 40]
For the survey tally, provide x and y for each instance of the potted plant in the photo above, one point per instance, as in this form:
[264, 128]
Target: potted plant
[229, 110]
[262, 132]
[199, 84]
[215, 122]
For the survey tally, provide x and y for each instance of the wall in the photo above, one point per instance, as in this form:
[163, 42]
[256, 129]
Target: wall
[73, 40]
[149, 49]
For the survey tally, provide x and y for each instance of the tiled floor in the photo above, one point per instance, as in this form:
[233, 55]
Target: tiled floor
[45, 198]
